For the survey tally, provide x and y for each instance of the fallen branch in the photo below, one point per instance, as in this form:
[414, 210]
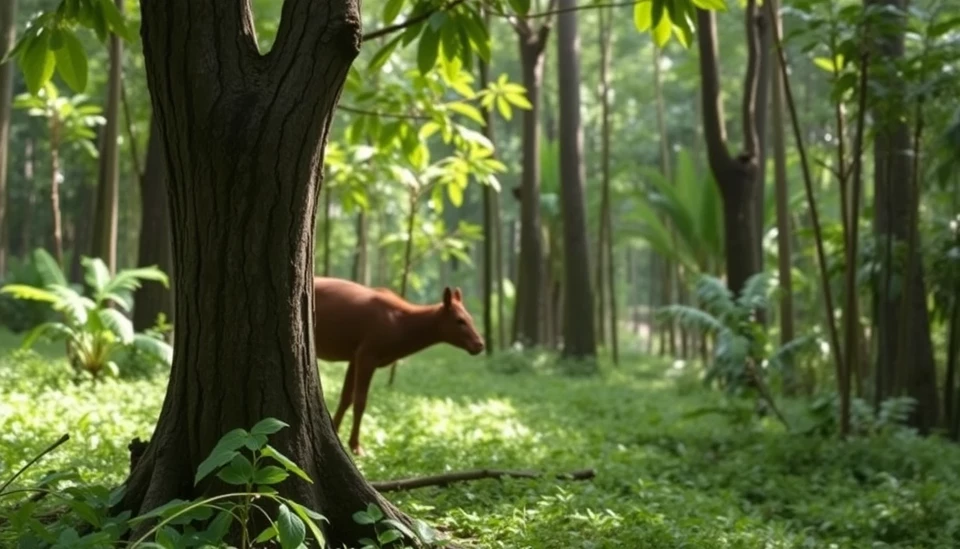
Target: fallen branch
[463, 476]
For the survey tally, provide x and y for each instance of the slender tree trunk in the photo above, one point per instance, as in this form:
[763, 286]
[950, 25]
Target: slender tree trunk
[762, 108]
[8, 28]
[489, 222]
[154, 247]
[578, 335]
[501, 305]
[26, 235]
[782, 190]
[105, 221]
[530, 293]
[244, 346]
[358, 272]
[56, 217]
[606, 216]
[666, 269]
[407, 264]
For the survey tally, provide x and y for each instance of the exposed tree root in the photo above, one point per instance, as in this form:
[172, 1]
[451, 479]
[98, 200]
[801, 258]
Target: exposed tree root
[476, 474]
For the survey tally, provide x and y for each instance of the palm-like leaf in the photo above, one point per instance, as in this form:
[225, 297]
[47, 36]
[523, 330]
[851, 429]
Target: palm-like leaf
[52, 330]
[25, 291]
[97, 274]
[789, 350]
[72, 304]
[120, 325]
[130, 279]
[154, 347]
[715, 297]
[48, 269]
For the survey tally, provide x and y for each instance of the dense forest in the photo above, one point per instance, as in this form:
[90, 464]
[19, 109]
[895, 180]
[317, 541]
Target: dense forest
[644, 273]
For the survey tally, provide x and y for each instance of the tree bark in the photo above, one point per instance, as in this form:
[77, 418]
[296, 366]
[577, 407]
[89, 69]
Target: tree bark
[782, 192]
[8, 27]
[893, 199]
[326, 231]
[105, 220]
[736, 177]
[578, 334]
[530, 293]
[359, 270]
[154, 247]
[606, 216]
[489, 232]
[243, 141]
[55, 214]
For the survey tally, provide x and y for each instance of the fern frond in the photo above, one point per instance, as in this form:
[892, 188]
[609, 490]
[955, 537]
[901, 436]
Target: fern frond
[756, 292]
[715, 297]
[789, 350]
[691, 317]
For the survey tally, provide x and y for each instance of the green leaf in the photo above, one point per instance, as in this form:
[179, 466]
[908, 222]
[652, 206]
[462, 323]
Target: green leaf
[268, 426]
[48, 268]
[268, 534]
[362, 517]
[310, 518]
[291, 528]
[271, 474]
[287, 463]
[97, 274]
[428, 50]
[388, 536]
[391, 10]
[222, 453]
[22, 291]
[662, 31]
[118, 324]
[153, 347]
[239, 472]
[72, 62]
[642, 18]
[455, 193]
[218, 528]
[37, 63]
[522, 7]
[717, 5]
[383, 54]
[115, 20]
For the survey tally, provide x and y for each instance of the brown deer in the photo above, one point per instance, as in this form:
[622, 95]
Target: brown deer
[373, 327]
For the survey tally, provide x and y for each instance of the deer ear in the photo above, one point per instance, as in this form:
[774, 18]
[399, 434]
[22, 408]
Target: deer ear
[457, 295]
[447, 297]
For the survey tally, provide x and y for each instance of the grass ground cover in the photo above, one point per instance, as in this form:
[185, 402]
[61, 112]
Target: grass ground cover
[663, 480]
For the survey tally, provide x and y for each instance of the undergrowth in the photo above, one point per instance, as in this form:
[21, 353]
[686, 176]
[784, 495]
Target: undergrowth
[666, 475]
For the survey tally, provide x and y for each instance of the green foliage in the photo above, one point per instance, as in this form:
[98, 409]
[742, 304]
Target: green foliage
[93, 329]
[71, 120]
[662, 480]
[742, 343]
[665, 18]
[50, 42]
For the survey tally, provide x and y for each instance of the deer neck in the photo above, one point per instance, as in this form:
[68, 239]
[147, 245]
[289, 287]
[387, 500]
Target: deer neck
[418, 328]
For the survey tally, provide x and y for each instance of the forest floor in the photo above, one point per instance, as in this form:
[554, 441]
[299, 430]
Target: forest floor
[666, 476]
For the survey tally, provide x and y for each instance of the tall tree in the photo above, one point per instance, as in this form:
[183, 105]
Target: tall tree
[530, 291]
[154, 247]
[579, 340]
[782, 195]
[737, 176]
[662, 270]
[108, 188]
[219, 102]
[905, 360]
[359, 272]
[606, 215]
[490, 220]
[8, 13]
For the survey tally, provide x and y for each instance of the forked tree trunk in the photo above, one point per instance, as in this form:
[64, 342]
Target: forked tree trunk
[154, 245]
[244, 135]
[8, 12]
[736, 176]
[578, 334]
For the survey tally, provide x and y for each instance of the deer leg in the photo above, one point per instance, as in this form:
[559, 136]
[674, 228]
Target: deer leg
[346, 395]
[365, 368]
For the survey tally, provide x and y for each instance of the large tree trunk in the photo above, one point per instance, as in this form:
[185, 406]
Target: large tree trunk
[902, 365]
[154, 245]
[578, 334]
[105, 220]
[530, 292]
[8, 12]
[735, 176]
[244, 135]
